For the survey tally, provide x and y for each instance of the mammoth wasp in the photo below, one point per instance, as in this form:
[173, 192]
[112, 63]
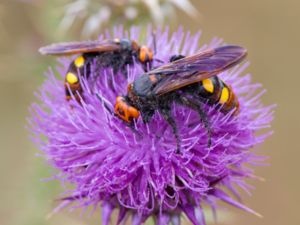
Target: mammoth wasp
[116, 53]
[189, 81]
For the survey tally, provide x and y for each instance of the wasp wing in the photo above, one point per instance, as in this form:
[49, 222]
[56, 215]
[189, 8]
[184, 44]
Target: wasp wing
[69, 48]
[197, 67]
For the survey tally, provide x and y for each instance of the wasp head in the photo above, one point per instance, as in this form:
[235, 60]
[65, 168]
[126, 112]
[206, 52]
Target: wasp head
[145, 55]
[125, 111]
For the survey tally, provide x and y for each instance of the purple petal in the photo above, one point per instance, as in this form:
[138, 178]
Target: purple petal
[175, 219]
[107, 209]
[226, 198]
[189, 211]
[163, 219]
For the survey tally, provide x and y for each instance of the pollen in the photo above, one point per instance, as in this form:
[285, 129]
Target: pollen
[71, 78]
[79, 62]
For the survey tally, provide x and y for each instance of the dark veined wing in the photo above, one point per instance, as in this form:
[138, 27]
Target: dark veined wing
[196, 67]
[69, 48]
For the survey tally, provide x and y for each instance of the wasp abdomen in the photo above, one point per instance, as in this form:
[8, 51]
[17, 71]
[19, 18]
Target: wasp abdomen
[72, 80]
[216, 91]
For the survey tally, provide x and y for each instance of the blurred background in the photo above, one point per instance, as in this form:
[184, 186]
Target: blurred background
[268, 29]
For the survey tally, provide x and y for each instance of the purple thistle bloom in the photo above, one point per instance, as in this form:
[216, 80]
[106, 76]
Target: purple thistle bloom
[111, 166]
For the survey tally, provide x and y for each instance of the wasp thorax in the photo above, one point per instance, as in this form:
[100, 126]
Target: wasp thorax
[145, 54]
[125, 111]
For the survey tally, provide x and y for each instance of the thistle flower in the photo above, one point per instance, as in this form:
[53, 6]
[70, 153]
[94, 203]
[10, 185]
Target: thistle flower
[142, 176]
[94, 15]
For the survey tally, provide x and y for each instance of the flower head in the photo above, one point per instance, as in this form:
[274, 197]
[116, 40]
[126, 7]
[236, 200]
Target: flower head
[142, 175]
[94, 15]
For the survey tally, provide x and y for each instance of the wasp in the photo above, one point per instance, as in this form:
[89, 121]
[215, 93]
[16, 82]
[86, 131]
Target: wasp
[116, 53]
[190, 81]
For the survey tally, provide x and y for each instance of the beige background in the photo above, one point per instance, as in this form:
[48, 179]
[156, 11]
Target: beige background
[270, 29]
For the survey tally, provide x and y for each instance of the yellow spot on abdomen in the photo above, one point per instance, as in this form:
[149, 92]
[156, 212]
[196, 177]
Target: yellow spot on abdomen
[224, 95]
[79, 62]
[71, 78]
[208, 85]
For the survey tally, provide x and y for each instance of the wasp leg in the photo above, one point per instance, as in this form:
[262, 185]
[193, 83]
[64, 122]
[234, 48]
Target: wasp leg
[176, 57]
[166, 113]
[105, 103]
[135, 131]
[203, 116]
[147, 115]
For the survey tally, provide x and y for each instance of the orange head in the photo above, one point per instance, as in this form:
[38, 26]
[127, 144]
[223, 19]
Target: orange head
[125, 111]
[145, 54]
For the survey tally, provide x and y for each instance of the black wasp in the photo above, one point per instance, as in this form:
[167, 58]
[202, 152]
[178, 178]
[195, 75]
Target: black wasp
[116, 53]
[190, 81]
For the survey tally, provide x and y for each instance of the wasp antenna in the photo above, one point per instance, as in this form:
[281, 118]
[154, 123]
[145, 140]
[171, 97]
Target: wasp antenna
[159, 60]
[154, 41]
